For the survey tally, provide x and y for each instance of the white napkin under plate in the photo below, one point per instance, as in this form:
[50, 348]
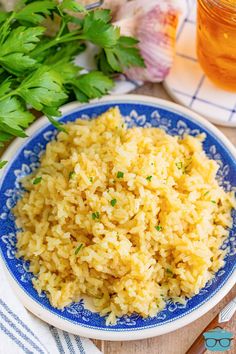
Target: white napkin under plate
[21, 332]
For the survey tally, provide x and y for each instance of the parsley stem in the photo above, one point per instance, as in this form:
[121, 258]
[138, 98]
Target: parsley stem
[61, 29]
[60, 12]
[12, 93]
[69, 37]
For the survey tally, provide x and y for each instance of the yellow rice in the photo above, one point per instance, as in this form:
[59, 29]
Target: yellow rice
[130, 217]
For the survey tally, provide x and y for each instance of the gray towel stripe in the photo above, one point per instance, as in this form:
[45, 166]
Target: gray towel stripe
[56, 337]
[21, 334]
[20, 322]
[14, 339]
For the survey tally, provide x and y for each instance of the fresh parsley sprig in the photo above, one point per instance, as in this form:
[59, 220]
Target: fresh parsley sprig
[37, 68]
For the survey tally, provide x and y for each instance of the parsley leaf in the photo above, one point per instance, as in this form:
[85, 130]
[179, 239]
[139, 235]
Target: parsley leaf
[120, 174]
[21, 40]
[95, 215]
[127, 41]
[71, 5]
[102, 63]
[55, 122]
[72, 174]
[113, 202]
[2, 163]
[149, 178]
[99, 32]
[5, 86]
[5, 27]
[37, 69]
[169, 272]
[67, 70]
[14, 117]
[36, 11]
[12, 51]
[37, 180]
[103, 15]
[42, 89]
[91, 85]
[158, 228]
[122, 54]
[4, 137]
[17, 63]
[179, 165]
[3, 16]
[78, 249]
[65, 55]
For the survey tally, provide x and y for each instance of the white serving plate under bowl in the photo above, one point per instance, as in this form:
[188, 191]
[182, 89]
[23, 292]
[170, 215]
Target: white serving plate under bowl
[79, 318]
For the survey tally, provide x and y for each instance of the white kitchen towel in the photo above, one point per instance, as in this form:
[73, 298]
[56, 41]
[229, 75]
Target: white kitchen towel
[21, 332]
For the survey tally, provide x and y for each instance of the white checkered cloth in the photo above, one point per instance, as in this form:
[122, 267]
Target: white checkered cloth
[187, 83]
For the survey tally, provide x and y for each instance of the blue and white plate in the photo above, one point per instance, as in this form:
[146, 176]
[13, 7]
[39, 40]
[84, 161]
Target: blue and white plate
[80, 318]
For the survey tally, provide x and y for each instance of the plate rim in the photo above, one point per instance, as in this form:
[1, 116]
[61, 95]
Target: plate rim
[45, 314]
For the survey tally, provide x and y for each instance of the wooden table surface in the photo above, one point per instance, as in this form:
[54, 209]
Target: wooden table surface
[179, 341]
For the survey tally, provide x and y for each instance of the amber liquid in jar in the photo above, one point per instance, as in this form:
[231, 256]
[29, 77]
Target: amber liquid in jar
[216, 41]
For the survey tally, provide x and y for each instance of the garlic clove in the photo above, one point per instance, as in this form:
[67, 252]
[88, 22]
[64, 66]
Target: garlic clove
[155, 25]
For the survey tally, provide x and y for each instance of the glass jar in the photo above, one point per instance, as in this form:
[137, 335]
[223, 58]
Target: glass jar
[216, 41]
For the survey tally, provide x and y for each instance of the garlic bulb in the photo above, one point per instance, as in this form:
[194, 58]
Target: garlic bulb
[154, 23]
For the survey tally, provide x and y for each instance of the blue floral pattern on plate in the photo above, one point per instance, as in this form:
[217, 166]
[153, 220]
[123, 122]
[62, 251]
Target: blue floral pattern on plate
[135, 114]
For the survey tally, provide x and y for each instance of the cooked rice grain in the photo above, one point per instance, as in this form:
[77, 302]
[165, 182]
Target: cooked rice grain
[160, 240]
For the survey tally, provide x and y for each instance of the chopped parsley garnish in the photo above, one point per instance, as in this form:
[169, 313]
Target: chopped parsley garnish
[91, 179]
[158, 227]
[206, 193]
[179, 165]
[95, 215]
[169, 271]
[148, 178]
[78, 249]
[213, 201]
[37, 180]
[120, 174]
[187, 166]
[72, 174]
[113, 202]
